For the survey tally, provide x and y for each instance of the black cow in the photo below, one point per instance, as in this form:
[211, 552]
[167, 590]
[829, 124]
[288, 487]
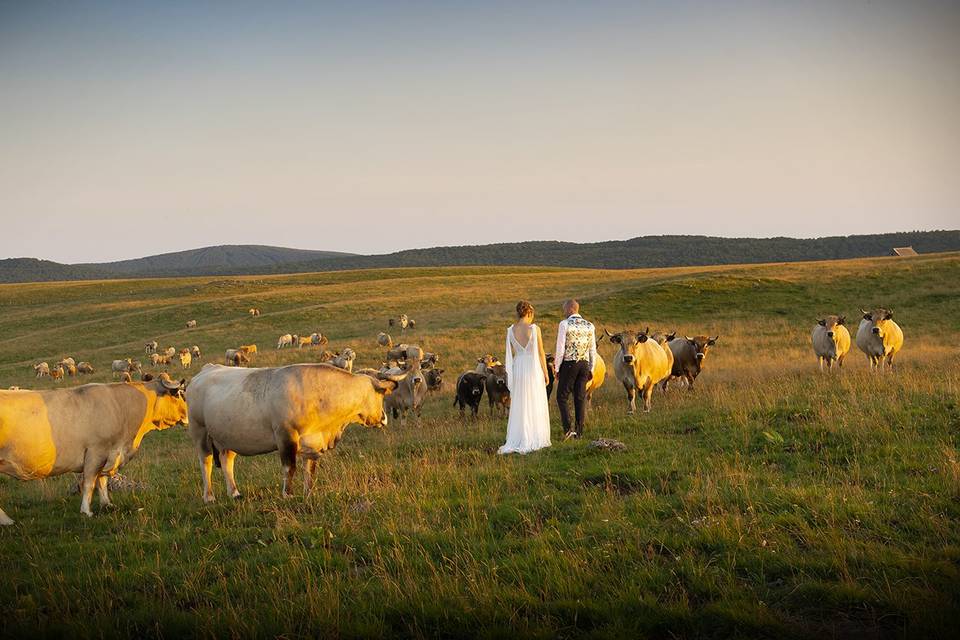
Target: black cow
[469, 391]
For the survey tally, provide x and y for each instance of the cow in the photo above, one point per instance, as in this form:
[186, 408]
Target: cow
[469, 392]
[879, 337]
[286, 340]
[404, 322]
[430, 360]
[303, 340]
[498, 395]
[126, 377]
[158, 359]
[326, 356]
[344, 359]
[195, 352]
[485, 363]
[551, 376]
[85, 367]
[831, 341]
[66, 362]
[70, 369]
[119, 366]
[384, 340]
[318, 339]
[434, 379]
[639, 364]
[92, 429]
[298, 410]
[248, 349]
[57, 373]
[191, 324]
[150, 347]
[170, 351]
[236, 357]
[403, 352]
[689, 358]
[185, 358]
[409, 394]
[254, 312]
[42, 369]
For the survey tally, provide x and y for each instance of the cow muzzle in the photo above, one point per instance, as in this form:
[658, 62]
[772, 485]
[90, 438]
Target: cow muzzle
[628, 359]
[829, 334]
[876, 331]
[701, 356]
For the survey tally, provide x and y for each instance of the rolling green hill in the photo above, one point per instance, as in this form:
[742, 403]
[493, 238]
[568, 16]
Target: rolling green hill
[646, 251]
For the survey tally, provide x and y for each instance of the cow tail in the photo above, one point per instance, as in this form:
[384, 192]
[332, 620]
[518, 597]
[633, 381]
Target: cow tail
[216, 453]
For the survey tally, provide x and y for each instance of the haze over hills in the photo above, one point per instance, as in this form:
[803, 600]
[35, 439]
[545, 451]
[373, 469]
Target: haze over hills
[644, 251]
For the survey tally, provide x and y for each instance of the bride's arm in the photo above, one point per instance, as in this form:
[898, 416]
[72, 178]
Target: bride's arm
[542, 356]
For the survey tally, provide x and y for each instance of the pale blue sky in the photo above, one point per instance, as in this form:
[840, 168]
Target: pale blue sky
[131, 128]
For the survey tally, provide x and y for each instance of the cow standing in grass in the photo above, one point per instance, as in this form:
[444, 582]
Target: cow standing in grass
[92, 429]
[640, 363]
[879, 337]
[831, 341]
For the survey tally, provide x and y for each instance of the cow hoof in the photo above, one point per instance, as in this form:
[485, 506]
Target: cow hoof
[209, 499]
[237, 496]
[89, 514]
[6, 521]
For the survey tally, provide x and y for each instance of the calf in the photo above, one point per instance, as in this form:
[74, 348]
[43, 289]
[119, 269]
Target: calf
[498, 395]
[689, 357]
[469, 392]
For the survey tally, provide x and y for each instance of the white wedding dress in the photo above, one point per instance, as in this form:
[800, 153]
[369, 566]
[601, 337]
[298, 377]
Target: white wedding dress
[528, 428]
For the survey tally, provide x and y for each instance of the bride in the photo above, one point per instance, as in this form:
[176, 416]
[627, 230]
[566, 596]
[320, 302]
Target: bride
[528, 428]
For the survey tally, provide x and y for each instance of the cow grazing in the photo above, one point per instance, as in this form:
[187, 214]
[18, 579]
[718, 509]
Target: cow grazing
[185, 359]
[158, 359]
[405, 352]
[57, 373]
[119, 366]
[384, 340]
[92, 429]
[298, 410]
[170, 351]
[42, 369]
[150, 347]
[344, 359]
[254, 312]
[248, 349]
[236, 358]
[639, 364]
[317, 339]
[302, 340]
[434, 379]
[70, 369]
[195, 352]
[879, 337]
[191, 324]
[689, 358]
[85, 367]
[66, 362]
[409, 394]
[126, 377]
[831, 341]
[286, 340]
[469, 392]
[498, 395]
[326, 356]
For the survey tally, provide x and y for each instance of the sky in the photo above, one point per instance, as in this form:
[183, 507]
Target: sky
[133, 128]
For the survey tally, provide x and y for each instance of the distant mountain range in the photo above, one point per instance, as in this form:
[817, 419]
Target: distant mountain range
[645, 251]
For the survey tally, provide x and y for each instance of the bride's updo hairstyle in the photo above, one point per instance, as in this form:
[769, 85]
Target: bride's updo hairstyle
[524, 309]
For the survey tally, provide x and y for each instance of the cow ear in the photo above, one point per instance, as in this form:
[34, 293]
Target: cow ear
[671, 336]
[712, 341]
[866, 315]
[615, 339]
[641, 338]
[888, 316]
[822, 322]
[841, 319]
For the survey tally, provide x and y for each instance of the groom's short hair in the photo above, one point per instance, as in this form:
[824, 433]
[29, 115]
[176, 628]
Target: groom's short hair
[571, 306]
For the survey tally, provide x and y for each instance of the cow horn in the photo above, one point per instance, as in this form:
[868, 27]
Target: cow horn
[608, 334]
[172, 385]
[393, 377]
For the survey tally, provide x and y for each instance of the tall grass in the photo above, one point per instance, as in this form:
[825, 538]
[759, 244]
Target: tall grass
[772, 501]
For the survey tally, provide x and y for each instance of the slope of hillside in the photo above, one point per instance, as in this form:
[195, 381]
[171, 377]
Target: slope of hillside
[640, 252]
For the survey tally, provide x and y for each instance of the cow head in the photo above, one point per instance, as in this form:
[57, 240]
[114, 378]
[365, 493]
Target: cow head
[169, 408]
[435, 379]
[497, 377]
[626, 341]
[371, 413]
[701, 344]
[879, 318]
[830, 323]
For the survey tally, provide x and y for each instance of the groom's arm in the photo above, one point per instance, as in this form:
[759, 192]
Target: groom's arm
[561, 347]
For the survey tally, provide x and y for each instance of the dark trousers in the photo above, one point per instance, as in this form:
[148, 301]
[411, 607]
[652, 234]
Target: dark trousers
[573, 378]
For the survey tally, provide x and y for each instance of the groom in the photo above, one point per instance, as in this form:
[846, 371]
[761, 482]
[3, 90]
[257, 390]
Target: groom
[575, 357]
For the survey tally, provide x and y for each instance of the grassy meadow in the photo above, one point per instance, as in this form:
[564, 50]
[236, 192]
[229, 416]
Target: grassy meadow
[772, 501]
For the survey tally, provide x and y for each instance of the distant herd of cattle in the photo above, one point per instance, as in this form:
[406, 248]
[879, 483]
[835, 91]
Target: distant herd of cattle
[301, 410]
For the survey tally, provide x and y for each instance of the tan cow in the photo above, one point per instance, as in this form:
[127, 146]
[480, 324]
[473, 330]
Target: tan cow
[384, 340]
[286, 340]
[191, 324]
[170, 351]
[195, 352]
[150, 347]
[344, 359]
[639, 364]
[42, 369]
[57, 373]
[304, 340]
[879, 337]
[254, 312]
[185, 358]
[236, 357]
[298, 410]
[85, 367]
[158, 359]
[92, 429]
[248, 349]
[831, 341]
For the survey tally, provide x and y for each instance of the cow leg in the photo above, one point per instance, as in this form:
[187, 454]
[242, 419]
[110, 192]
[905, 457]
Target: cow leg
[91, 470]
[820, 361]
[632, 398]
[647, 394]
[5, 520]
[289, 447]
[104, 490]
[840, 361]
[206, 469]
[309, 467]
[226, 463]
[690, 379]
